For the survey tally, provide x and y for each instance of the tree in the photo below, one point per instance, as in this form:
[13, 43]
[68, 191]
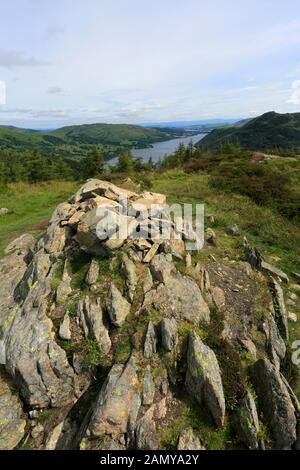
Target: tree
[93, 163]
[125, 162]
[189, 151]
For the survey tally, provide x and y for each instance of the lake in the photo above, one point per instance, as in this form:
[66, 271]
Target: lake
[161, 149]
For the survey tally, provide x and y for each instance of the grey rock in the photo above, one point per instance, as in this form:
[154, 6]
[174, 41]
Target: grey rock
[64, 288]
[24, 243]
[12, 423]
[150, 343]
[118, 402]
[106, 189]
[91, 317]
[36, 363]
[273, 271]
[188, 440]
[117, 306]
[188, 260]
[276, 403]
[296, 276]
[280, 308]
[146, 437]
[64, 329]
[93, 273]
[4, 211]
[218, 297]
[148, 387]
[253, 256]
[211, 236]
[246, 423]
[276, 344]
[53, 437]
[147, 281]
[203, 378]
[37, 431]
[179, 297]
[129, 270]
[151, 253]
[233, 230]
[169, 333]
[161, 267]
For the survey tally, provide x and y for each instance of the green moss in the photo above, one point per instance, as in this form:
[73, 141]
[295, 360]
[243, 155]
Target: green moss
[45, 416]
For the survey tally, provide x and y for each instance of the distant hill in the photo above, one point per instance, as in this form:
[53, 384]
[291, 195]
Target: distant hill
[269, 132]
[73, 140]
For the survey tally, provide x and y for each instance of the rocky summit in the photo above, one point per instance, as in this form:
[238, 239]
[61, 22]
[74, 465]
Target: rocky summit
[125, 342]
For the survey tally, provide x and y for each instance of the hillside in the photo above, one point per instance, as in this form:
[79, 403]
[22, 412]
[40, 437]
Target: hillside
[269, 132]
[73, 140]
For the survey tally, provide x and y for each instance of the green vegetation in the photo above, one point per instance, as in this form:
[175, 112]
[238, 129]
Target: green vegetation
[75, 141]
[270, 132]
[31, 207]
[199, 419]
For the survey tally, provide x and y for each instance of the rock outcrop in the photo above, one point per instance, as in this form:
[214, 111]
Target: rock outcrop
[276, 403]
[160, 332]
[203, 379]
[118, 402]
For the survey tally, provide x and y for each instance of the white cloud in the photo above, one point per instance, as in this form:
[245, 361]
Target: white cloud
[54, 90]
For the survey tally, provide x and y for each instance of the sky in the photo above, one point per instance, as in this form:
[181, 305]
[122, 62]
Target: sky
[133, 61]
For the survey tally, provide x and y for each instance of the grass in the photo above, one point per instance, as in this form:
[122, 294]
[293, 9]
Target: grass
[31, 207]
[192, 415]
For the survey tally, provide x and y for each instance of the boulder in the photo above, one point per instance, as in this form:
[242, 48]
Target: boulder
[64, 329]
[94, 187]
[161, 267]
[276, 403]
[245, 422]
[188, 440]
[117, 306]
[150, 343]
[179, 297]
[169, 333]
[91, 317]
[175, 247]
[203, 378]
[118, 402]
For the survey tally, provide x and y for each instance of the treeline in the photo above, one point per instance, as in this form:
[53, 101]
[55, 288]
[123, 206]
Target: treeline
[33, 166]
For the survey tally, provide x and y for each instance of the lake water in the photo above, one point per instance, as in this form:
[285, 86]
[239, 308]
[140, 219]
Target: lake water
[161, 149]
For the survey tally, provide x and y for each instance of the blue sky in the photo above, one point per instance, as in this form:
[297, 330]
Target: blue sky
[66, 61]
